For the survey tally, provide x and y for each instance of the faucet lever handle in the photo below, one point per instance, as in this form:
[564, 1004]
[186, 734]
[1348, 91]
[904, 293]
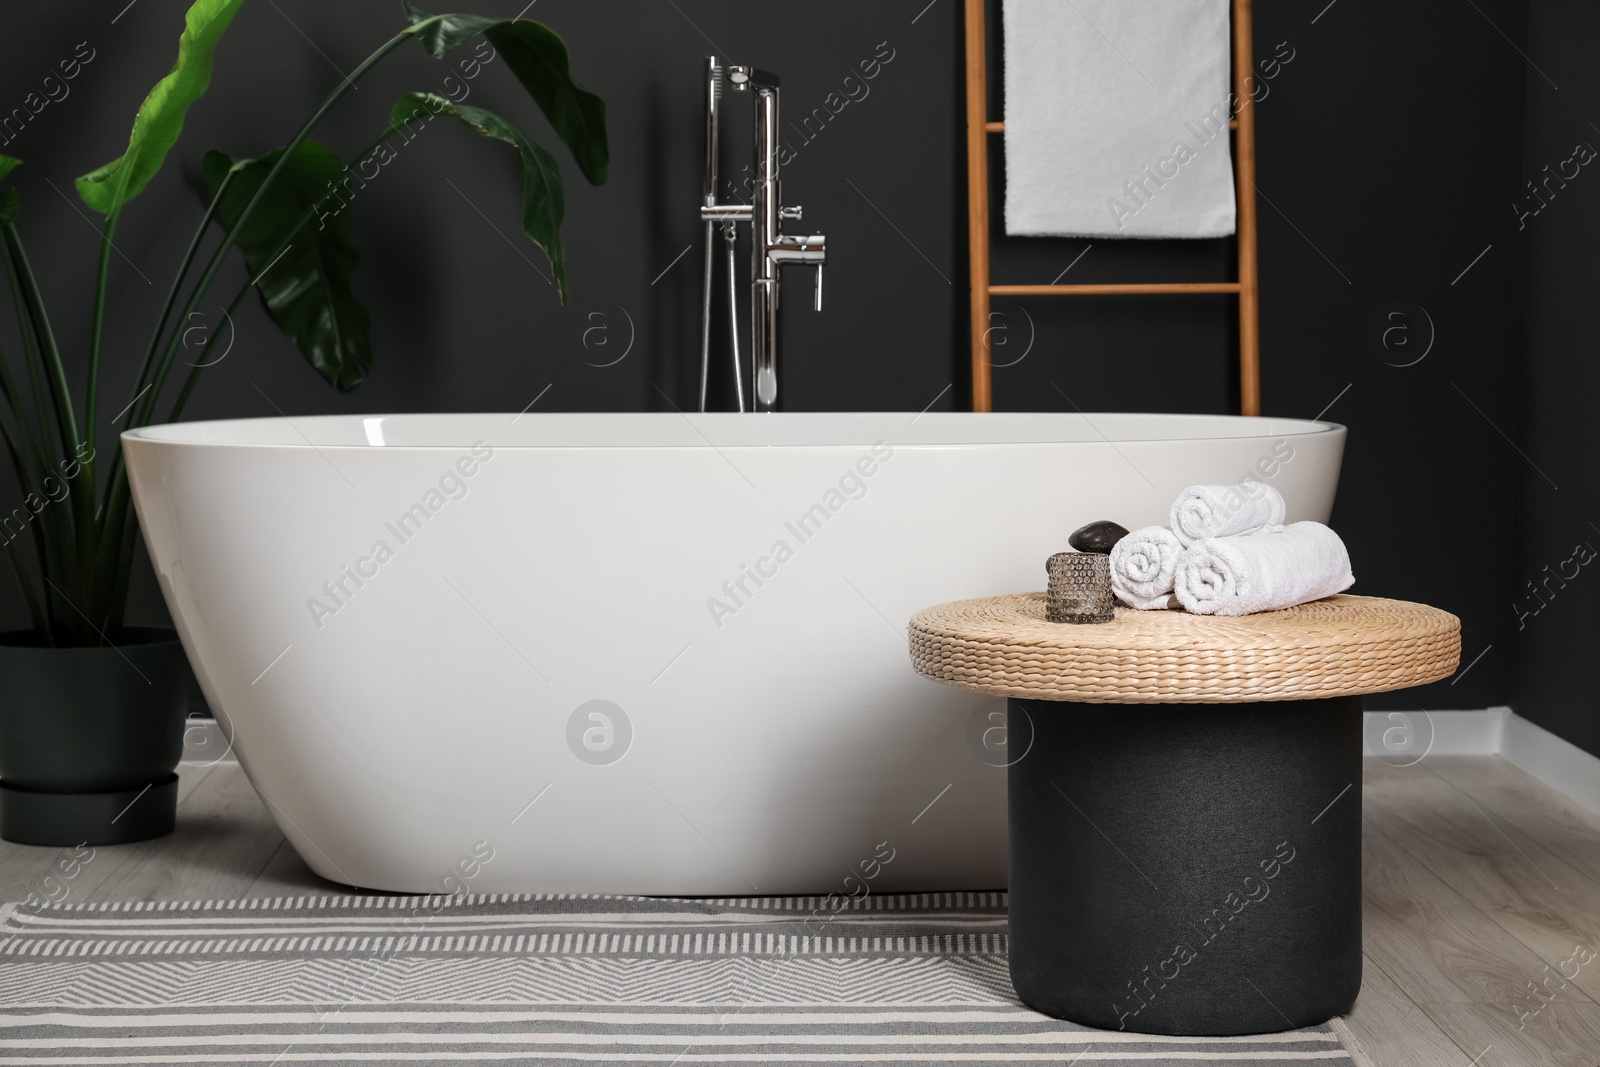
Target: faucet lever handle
[818, 305]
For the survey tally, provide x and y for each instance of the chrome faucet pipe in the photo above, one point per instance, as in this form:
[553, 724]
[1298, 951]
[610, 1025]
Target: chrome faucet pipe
[731, 235]
[763, 269]
[717, 216]
[713, 102]
[726, 212]
[770, 247]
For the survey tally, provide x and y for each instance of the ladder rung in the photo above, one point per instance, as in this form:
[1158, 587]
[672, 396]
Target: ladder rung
[1114, 289]
[1000, 127]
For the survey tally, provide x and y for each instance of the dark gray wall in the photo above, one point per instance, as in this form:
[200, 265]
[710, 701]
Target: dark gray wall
[1555, 621]
[491, 333]
[1388, 149]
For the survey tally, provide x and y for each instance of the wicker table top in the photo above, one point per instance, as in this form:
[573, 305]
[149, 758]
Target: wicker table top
[1339, 646]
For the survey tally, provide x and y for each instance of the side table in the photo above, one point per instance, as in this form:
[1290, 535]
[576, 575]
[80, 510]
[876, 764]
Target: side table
[1189, 861]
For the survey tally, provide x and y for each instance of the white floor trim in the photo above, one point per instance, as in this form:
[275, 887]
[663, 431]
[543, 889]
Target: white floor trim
[1411, 735]
[1557, 763]
[205, 742]
[1400, 735]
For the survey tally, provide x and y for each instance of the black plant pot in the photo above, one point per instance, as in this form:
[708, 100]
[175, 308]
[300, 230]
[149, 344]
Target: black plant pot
[90, 738]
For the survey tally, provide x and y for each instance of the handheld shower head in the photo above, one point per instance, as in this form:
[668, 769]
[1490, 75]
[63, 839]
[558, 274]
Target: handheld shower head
[713, 122]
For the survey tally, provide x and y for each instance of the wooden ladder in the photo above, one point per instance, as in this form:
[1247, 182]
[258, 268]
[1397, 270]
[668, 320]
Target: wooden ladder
[979, 127]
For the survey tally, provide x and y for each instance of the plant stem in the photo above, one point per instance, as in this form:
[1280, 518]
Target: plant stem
[81, 545]
[36, 614]
[204, 284]
[117, 604]
[9, 389]
[194, 373]
[161, 327]
[113, 519]
[306, 216]
[32, 359]
[19, 413]
[97, 332]
[40, 541]
[50, 351]
[114, 526]
[172, 294]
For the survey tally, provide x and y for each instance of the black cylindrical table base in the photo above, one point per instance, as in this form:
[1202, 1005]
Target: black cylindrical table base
[1187, 869]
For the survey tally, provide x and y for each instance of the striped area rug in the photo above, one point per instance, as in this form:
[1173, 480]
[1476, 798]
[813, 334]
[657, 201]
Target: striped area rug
[550, 979]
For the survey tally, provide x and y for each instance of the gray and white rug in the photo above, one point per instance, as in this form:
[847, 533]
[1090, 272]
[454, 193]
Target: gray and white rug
[550, 979]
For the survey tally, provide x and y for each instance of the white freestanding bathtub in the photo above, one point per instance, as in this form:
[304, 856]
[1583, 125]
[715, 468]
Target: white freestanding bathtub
[639, 653]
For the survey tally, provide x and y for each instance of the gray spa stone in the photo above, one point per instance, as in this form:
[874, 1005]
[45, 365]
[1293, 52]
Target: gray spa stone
[1097, 536]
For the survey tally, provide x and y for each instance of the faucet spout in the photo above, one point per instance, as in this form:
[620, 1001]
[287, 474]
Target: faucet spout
[743, 77]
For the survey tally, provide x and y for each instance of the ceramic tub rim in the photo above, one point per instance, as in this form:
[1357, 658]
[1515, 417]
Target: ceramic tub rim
[355, 433]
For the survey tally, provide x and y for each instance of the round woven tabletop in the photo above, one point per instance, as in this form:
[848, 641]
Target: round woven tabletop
[1338, 646]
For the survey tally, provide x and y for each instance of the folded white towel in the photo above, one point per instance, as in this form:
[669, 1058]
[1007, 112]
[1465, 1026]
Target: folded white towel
[1225, 511]
[1143, 565]
[1242, 575]
[1117, 117]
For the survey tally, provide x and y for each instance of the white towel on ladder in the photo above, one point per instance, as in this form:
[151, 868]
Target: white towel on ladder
[1116, 118]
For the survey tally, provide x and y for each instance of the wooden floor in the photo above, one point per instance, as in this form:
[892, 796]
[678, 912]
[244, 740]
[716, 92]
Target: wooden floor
[1482, 892]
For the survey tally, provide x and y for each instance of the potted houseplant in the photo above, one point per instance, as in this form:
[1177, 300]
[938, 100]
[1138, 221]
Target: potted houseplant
[91, 716]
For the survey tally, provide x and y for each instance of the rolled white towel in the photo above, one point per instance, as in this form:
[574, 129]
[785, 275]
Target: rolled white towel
[1225, 511]
[1142, 567]
[1242, 575]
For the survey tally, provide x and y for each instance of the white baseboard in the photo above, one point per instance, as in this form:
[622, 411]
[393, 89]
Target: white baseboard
[1402, 734]
[1559, 764]
[206, 743]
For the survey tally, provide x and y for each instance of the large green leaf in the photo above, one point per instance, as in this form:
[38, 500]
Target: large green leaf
[538, 58]
[306, 286]
[542, 199]
[440, 33]
[7, 165]
[160, 118]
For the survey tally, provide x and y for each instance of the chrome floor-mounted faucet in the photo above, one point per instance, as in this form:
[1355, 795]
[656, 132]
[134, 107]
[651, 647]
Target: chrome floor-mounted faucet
[770, 248]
